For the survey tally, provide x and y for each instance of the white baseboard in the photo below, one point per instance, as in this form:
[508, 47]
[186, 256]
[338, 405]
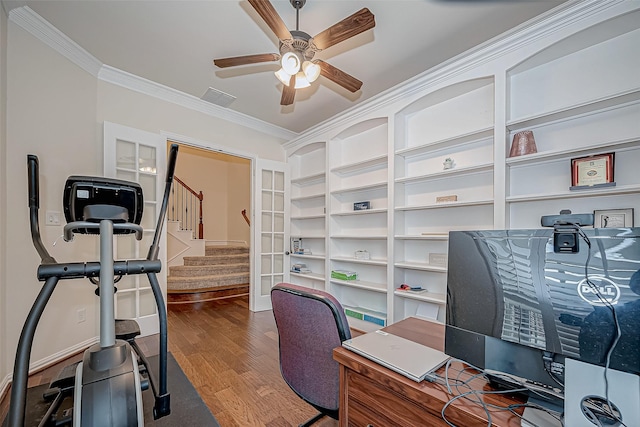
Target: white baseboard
[48, 361]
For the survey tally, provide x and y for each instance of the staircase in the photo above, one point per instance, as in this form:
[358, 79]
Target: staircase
[223, 272]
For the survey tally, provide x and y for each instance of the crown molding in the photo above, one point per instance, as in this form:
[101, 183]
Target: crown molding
[37, 26]
[138, 84]
[529, 32]
[41, 29]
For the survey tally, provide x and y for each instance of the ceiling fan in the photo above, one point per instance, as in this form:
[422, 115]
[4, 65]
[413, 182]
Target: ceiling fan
[298, 48]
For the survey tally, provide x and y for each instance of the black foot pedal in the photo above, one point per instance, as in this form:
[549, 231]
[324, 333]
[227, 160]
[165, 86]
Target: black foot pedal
[127, 329]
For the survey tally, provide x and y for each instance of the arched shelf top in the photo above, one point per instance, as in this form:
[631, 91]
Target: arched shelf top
[444, 94]
[361, 127]
[309, 148]
[598, 33]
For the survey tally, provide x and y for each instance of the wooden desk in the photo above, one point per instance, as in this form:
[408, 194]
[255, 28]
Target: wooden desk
[372, 395]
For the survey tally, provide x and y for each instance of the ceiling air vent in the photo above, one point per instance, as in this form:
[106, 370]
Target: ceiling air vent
[218, 97]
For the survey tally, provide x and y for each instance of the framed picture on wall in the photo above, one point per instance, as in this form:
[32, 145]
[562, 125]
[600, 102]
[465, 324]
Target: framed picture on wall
[592, 171]
[613, 218]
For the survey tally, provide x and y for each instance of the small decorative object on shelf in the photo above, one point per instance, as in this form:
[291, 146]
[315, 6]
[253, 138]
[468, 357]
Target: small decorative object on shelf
[361, 206]
[302, 251]
[448, 163]
[523, 143]
[344, 275]
[367, 315]
[412, 289]
[300, 268]
[438, 259]
[613, 218]
[592, 171]
[446, 199]
[296, 243]
[362, 254]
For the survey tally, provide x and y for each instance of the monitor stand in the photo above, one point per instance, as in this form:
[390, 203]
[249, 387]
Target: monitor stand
[585, 396]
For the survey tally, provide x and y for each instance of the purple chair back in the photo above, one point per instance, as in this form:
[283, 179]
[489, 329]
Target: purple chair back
[311, 323]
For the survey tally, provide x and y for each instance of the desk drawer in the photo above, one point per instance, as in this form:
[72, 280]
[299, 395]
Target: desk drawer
[370, 404]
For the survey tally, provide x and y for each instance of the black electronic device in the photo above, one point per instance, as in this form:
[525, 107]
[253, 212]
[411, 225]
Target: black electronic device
[514, 305]
[92, 199]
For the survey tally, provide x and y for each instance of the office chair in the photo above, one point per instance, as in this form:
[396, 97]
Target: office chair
[310, 323]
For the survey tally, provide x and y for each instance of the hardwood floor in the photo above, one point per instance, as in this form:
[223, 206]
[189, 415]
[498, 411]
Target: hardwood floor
[230, 354]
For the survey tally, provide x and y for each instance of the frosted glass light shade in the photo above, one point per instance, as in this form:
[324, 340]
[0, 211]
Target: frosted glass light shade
[283, 76]
[290, 63]
[311, 71]
[301, 81]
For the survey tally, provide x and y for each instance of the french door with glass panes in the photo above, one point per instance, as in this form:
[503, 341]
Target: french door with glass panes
[270, 230]
[134, 155]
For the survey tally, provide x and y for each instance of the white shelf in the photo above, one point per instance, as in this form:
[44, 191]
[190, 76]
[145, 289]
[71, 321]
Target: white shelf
[361, 237]
[425, 296]
[446, 205]
[368, 187]
[313, 276]
[467, 138]
[308, 197]
[308, 216]
[429, 236]
[319, 256]
[540, 157]
[309, 179]
[421, 266]
[307, 236]
[361, 165]
[362, 212]
[596, 192]
[380, 262]
[359, 284]
[446, 173]
[578, 110]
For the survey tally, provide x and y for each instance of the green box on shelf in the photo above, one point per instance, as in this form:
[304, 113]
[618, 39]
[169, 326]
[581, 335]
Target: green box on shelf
[371, 316]
[344, 274]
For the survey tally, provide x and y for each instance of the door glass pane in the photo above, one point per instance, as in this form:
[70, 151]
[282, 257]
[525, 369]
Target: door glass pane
[147, 302]
[266, 264]
[126, 305]
[278, 223]
[266, 243]
[267, 201]
[149, 216]
[125, 247]
[266, 180]
[279, 181]
[278, 202]
[126, 176]
[266, 221]
[265, 285]
[278, 278]
[127, 282]
[125, 155]
[148, 184]
[278, 263]
[278, 243]
[147, 159]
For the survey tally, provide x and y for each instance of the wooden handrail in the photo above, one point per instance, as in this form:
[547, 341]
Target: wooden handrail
[244, 214]
[200, 196]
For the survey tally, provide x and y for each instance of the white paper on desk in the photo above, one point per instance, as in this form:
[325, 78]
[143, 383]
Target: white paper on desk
[427, 310]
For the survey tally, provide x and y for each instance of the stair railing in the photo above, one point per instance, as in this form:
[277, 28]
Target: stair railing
[185, 205]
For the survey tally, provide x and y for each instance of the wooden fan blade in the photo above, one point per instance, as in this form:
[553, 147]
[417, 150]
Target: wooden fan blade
[288, 92]
[247, 59]
[338, 76]
[270, 16]
[350, 26]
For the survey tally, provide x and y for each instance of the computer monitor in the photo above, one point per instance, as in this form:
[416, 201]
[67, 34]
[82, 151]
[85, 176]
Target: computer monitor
[516, 306]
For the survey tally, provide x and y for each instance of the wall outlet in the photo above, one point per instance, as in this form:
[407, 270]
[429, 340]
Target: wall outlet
[52, 218]
[82, 315]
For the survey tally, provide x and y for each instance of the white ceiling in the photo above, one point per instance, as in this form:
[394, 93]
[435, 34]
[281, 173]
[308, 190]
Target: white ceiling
[174, 43]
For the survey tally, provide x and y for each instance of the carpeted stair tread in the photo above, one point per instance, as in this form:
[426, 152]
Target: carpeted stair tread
[206, 282]
[207, 270]
[220, 250]
[216, 259]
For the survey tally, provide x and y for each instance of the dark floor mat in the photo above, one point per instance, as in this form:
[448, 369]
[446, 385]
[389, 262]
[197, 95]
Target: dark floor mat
[187, 408]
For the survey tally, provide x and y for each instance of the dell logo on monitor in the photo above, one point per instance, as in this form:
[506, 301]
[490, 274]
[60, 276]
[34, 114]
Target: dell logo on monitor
[601, 291]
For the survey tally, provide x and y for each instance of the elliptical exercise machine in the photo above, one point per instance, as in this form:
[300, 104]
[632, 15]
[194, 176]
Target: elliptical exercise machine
[107, 389]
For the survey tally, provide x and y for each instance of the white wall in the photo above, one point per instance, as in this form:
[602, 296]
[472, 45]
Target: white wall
[225, 183]
[3, 190]
[55, 109]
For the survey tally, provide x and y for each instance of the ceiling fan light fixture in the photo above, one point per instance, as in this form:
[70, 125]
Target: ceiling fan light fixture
[301, 81]
[311, 71]
[283, 76]
[290, 63]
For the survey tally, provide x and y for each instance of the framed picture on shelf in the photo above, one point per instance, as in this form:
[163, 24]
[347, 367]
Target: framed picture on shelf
[592, 171]
[613, 218]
